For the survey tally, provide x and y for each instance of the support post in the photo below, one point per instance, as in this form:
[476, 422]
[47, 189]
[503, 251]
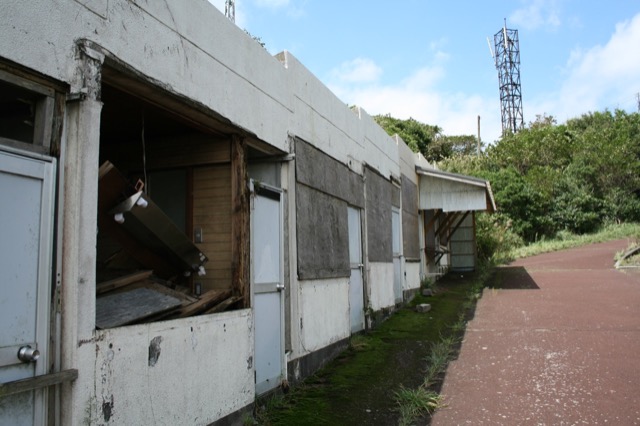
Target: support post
[240, 221]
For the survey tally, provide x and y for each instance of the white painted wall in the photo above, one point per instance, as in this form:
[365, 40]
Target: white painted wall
[203, 371]
[324, 313]
[407, 160]
[380, 285]
[412, 277]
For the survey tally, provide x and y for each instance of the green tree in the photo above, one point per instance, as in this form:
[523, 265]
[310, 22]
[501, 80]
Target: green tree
[573, 176]
[418, 136]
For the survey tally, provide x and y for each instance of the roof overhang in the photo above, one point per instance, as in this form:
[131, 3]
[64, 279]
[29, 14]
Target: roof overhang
[451, 192]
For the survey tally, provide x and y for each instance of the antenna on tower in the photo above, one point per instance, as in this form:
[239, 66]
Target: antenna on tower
[507, 61]
[230, 10]
[491, 50]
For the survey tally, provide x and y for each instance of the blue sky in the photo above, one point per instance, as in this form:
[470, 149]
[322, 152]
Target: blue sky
[430, 60]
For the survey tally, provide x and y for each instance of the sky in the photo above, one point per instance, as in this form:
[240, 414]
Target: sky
[430, 60]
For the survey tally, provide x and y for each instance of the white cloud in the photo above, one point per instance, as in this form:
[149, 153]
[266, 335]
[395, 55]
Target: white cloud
[272, 4]
[359, 70]
[537, 14]
[418, 97]
[598, 78]
[293, 8]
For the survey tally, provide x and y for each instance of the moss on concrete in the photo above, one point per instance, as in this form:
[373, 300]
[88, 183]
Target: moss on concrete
[358, 387]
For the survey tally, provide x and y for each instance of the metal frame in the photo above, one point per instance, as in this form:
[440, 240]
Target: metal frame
[508, 65]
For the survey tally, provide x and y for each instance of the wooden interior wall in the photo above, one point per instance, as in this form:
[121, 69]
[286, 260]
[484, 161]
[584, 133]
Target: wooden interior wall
[212, 213]
[209, 159]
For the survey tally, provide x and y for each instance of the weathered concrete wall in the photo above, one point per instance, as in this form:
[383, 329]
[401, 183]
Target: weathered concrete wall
[195, 52]
[190, 371]
[412, 276]
[350, 136]
[165, 41]
[325, 313]
[381, 285]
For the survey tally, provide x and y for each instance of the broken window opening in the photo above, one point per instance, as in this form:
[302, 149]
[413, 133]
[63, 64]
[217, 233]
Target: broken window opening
[26, 113]
[161, 180]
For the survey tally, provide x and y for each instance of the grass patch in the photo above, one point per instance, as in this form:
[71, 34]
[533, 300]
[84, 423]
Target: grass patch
[566, 240]
[382, 373]
[415, 403]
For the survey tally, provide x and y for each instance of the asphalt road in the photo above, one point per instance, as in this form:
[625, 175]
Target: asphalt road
[556, 343]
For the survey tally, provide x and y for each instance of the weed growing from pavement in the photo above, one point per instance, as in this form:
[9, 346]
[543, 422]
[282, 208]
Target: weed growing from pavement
[424, 400]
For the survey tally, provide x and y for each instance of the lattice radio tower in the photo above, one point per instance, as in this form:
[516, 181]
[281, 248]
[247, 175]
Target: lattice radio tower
[507, 59]
[230, 10]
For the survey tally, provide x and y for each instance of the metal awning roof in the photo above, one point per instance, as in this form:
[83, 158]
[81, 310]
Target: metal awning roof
[451, 192]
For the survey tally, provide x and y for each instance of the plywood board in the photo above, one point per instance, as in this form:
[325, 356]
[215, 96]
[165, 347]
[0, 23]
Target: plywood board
[131, 306]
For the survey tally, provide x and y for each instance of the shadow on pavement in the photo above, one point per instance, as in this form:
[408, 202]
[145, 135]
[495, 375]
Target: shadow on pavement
[513, 278]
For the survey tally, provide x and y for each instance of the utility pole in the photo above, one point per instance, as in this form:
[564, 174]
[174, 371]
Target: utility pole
[638, 100]
[478, 136]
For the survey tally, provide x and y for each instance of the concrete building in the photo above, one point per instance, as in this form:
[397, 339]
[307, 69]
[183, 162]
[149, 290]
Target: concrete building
[188, 221]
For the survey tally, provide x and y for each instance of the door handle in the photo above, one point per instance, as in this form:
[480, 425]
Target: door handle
[28, 354]
[280, 287]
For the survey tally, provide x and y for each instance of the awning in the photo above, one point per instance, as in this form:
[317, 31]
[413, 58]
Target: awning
[452, 192]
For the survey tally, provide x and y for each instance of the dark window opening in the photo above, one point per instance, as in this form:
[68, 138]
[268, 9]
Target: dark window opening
[169, 255]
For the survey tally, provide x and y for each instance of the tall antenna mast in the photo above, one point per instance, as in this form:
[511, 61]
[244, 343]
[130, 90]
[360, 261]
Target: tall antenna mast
[507, 60]
[230, 10]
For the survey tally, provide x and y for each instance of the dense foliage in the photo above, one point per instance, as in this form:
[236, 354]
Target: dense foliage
[427, 139]
[548, 178]
[571, 177]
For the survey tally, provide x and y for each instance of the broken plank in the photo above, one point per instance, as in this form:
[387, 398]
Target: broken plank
[110, 285]
[223, 306]
[207, 301]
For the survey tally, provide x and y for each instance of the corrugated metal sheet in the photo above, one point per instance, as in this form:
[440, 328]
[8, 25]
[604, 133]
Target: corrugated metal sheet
[452, 192]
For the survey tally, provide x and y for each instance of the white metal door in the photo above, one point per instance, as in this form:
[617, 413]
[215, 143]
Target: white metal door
[26, 225]
[397, 264]
[268, 286]
[356, 285]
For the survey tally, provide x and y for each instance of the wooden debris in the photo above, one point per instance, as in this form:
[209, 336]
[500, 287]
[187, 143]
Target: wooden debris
[221, 307]
[116, 283]
[207, 301]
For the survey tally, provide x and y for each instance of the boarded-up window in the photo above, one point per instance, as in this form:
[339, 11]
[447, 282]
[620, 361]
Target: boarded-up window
[379, 197]
[410, 230]
[323, 235]
[324, 189]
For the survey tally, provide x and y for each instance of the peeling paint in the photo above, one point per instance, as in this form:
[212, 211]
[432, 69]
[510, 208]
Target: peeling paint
[154, 350]
[107, 409]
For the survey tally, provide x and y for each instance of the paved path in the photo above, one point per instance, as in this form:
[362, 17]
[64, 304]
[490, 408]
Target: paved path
[558, 344]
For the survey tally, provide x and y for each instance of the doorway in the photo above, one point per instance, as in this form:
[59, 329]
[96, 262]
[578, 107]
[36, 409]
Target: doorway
[27, 188]
[268, 286]
[356, 284]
